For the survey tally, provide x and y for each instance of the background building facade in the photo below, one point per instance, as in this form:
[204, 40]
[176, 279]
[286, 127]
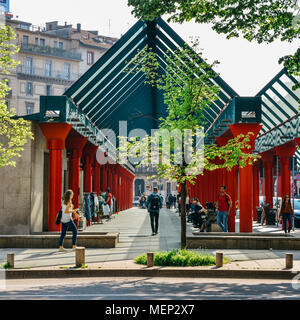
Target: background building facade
[51, 59]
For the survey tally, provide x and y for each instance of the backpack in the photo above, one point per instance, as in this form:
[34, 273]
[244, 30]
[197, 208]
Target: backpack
[58, 217]
[155, 202]
[226, 198]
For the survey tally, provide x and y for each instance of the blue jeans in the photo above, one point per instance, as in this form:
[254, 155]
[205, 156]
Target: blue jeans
[287, 217]
[64, 228]
[222, 220]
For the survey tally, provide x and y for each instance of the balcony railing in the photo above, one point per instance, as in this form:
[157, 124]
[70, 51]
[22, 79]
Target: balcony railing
[53, 74]
[49, 51]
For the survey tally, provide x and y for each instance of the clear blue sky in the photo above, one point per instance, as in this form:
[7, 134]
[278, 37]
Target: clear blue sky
[245, 66]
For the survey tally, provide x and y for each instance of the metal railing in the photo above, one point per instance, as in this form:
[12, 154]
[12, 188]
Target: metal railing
[54, 74]
[50, 51]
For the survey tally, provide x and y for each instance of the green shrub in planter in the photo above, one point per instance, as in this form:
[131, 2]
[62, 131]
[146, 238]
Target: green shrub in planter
[180, 258]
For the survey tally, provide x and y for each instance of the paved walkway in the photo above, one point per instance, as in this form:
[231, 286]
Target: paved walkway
[135, 238]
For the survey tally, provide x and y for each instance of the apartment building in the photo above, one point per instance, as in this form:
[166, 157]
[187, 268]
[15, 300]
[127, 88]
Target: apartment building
[51, 59]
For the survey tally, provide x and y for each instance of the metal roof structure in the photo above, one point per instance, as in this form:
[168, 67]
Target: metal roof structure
[106, 94]
[280, 112]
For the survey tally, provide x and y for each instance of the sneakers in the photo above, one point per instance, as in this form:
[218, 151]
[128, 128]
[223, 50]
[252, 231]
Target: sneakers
[61, 249]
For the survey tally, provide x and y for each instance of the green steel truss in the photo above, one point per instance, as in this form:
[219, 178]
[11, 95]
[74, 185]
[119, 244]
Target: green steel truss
[280, 114]
[105, 95]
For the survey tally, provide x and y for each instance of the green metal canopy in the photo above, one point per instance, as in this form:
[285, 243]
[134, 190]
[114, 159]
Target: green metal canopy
[280, 112]
[107, 95]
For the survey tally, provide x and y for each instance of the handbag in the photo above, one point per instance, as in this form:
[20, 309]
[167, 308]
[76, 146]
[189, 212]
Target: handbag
[58, 218]
[105, 210]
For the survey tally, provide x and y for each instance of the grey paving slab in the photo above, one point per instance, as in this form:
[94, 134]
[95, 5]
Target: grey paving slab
[135, 238]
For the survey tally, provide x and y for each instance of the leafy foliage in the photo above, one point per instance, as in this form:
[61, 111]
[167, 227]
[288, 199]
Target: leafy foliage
[258, 20]
[186, 83]
[14, 132]
[180, 258]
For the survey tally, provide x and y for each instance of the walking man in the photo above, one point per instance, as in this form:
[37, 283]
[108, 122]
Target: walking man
[154, 204]
[223, 205]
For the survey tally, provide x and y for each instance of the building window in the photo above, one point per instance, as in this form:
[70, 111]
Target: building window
[48, 90]
[61, 45]
[90, 58]
[25, 40]
[67, 70]
[55, 44]
[36, 41]
[48, 68]
[29, 65]
[29, 108]
[42, 42]
[29, 89]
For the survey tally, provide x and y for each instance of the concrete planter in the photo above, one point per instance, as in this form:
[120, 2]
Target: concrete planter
[50, 240]
[246, 241]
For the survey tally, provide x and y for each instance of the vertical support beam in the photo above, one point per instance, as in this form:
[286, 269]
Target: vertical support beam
[74, 144]
[227, 178]
[284, 152]
[267, 159]
[88, 155]
[96, 177]
[246, 176]
[56, 134]
[256, 168]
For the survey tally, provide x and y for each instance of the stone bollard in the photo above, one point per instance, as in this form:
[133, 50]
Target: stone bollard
[11, 260]
[289, 260]
[150, 259]
[219, 259]
[80, 256]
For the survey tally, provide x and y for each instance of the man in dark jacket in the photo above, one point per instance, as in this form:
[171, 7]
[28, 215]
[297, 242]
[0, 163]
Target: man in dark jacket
[154, 204]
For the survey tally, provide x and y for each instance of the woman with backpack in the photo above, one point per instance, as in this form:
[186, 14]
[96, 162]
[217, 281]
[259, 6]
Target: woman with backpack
[286, 213]
[67, 222]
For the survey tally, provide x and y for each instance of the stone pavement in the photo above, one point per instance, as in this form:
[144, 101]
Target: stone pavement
[135, 239]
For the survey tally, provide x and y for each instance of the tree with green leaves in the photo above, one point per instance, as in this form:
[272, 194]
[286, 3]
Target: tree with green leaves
[14, 132]
[256, 20]
[176, 150]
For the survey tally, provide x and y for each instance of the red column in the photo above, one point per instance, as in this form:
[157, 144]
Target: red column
[88, 156]
[74, 144]
[284, 152]
[96, 177]
[115, 184]
[256, 169]
[56, 134]
[267, 159]
[227, 179]
[231, 191]
[246, 176]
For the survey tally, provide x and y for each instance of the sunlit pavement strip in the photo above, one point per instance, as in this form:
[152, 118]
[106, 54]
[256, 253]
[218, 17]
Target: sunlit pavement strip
[135, 238]
[149, 288]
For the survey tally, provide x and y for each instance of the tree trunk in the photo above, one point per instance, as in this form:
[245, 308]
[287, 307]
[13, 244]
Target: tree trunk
[183, 215]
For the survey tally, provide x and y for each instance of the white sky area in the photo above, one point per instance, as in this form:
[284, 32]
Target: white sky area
[245, 66]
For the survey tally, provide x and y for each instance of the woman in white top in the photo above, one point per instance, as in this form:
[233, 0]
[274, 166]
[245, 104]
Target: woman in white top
[67, 221]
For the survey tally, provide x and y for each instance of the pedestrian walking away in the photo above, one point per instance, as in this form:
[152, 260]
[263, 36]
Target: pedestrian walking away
[223, 205]
[287, 213]
[154, 204]
[67, 222]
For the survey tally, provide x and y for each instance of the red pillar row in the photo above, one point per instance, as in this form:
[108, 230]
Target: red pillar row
[239, 181]
[256, 169]
[55, 134]
[246, 176]
[74, 144]
[267, 159]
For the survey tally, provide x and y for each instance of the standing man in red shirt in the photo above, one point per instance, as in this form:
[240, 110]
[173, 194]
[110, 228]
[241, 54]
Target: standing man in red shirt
[108, 200]
[223, 205]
